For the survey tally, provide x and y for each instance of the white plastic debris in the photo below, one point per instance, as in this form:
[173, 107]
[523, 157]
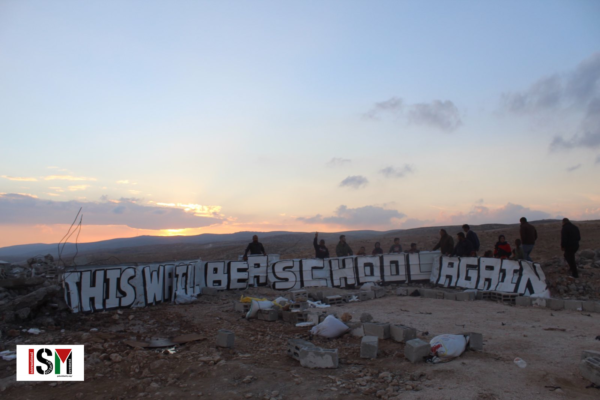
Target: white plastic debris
[94, 330]
[331, 327]
[258, 305]
[317, 304]
[520, 362]
[34, 331]
[446, 347]
[8, 355]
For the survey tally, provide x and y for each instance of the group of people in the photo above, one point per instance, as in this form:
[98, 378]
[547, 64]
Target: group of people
[467, 245]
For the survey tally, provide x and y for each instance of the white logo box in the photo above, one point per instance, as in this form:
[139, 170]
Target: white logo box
[50, 362]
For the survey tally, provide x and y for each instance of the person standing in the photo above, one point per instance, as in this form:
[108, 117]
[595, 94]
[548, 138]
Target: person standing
[528, 237]
[464, 247]
[471, 237]
[255, 247]
[569, 243]
[396, 247]
[321, 251]
[342, 249]
[446, 243]
[377, 250]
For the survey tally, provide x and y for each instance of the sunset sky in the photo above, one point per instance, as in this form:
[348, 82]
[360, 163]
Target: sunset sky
[189, 117]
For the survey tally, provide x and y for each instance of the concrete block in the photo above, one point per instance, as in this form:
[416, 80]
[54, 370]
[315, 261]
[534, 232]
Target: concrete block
[449, 296]
[369, 346]
[241, 307]
[379, 329]
[295, 345]
[356, 329]
[428, 293]
[589, 353]
[319, 358]
[590, 306]
[538, 302]
[590, 369]
[475, 341]
[479, 295]
[439, 294]
[298, 295]
[349, 296]
[573, 305]
[301, 306]
[415, 350]
[379, 291]
[523, 301]
[407, 291]
[465, 296]
[555, 304]
[333, 300]
[365, 295]
[225, 338]
[209, 291]
[289, 316]
[303, 316]
[402, 334]
[268, 315]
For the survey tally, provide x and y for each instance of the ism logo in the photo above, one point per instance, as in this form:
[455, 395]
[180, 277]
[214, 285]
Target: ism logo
[50, 363]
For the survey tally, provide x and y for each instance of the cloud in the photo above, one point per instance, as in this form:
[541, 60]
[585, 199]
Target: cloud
[393, 105]
[123, 182]
[443, 115]
[508, 214]
[392, 172]
[338, 162]
[77, 188]
[589, 136]
[67, 178]
[355, 182]
[18, 178]
[367, 216]
[23, 209]
[574, 168]
[597, 159]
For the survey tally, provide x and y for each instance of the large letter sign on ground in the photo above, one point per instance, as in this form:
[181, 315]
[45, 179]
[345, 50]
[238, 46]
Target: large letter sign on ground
[96, 288]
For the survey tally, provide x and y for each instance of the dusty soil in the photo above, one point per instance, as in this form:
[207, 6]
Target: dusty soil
[258, 367]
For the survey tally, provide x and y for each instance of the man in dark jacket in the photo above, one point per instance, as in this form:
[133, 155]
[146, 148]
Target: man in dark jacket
[342, 249]
[569, 243]
[472, 237]
[396, 247]
[528, 238]
[464, 247]
[446, 243]
[320, 250]
[255, 247]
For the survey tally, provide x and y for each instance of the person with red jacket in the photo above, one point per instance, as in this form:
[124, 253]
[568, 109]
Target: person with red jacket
[502, 249]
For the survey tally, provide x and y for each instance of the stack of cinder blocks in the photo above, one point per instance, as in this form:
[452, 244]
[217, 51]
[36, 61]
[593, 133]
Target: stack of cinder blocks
[334, 300]
[311, 356]
[558, 304]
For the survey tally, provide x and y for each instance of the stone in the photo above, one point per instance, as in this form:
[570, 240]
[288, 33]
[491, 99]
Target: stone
[116, 358]
[449, 296]
[523, 301]
[555, 304]
[402, 334]
[573, 305]
[590, 369]
[317, 357]
[366, 317]
[23, 313]
[225, 338]
[416, 350]
[369, 346]
[587, 254]
[379, 329]
[466, 296]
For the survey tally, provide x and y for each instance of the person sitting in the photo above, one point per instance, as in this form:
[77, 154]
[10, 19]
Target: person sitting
[377, 250]
[255, 247]
[502, 248]
[343, 249]
[518, 253]
[396, 247]
[320, 250]
[446, 243]
[362, 251]
[413, 248]
[488, 254]
[464, 248]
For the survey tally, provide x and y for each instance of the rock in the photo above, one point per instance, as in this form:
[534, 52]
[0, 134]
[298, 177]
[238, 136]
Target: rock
[116, 358]
[587, 254]
[23, 313]
[366, 317]
[31, 300]
[346, 317]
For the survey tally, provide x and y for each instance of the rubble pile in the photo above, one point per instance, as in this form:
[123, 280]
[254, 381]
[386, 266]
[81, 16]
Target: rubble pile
[562, 285]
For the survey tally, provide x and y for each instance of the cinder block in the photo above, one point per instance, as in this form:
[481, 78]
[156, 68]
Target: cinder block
[295, 345]
[225, 338]
[402, 291]
[241, 307]
[379, 291]
[589, 353]
[379, 329]
[475, 341]
[555, 304]
[268, 315]
[590, 369]
[301, 306]
[289, 316]
[538, 302]
[298, 295]
[369, 346]
[402, 334]
[439, 294]
[415, 350]
[449, 296]
[333, 300]
[465, 296]
[356, 329]
[302, 316]
[573, 305]
[349, 296]
[523, 301]
[209, 291]
[428, 293]
[479, 295]
[319, 358]
[365, 295]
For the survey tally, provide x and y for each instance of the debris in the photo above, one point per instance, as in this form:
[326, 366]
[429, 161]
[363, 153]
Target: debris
[366, 317]
[225, 338]
[34, 331]
[331, 327]
[346, 317]
[8, 355]
[416, 350]
[446, 347]
[369, 346]
[520, 362]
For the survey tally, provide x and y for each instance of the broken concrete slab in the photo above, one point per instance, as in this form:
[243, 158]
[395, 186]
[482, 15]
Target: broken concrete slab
[449, 296]
[369, 346]
[555, 304]
[402, 334]
[465, 296]
[416, 350]
[379, 329]
[31, 300]
[225, 338]
[316, 357]
[590, 369]
[589, 353]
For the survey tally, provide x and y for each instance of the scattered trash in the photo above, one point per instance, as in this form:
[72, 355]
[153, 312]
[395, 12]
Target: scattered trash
[446, 347]
[317, 304]
[300, 324]
[94, 330]
[34, 331]
[172, 350]
[520, 362]
[8, 355]
[255, 306]
[331, 327]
